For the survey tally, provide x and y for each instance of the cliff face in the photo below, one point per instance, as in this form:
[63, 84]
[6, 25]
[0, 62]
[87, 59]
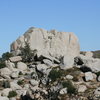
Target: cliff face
[52, 43]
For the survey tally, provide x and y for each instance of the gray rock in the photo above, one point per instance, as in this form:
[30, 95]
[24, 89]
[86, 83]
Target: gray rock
[5, 72]
[49, 43]
[13, 98]
[42, 68]
[92, 63]
[63, 91]
[70, 77]
[34, 82]
[21, 66]
[15, 86]
[15, 58]
[48, 62]
[68, 62]
[10, 65]
[5, 92]
[3, 98]
[97, 91]
[82, 88]
[15, 74]
[88, 76]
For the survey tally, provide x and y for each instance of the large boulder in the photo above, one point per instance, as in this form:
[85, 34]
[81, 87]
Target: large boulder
[21, 66]
[5, 92]
[89, 76]
[5, 71]
[15, 59]
[15, 86]
[92, 63]
[3, 98]
[49, 43]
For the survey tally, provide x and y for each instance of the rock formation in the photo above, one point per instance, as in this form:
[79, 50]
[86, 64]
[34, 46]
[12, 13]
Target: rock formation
[50, 43]
[55, 71]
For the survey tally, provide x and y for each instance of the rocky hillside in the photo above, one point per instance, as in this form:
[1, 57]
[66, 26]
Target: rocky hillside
[96, 54]
[47, 65]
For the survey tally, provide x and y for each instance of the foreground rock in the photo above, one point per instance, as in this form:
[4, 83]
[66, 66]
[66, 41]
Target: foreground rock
[91, 62]
[21, 66]
[4, 98]
[88, 76]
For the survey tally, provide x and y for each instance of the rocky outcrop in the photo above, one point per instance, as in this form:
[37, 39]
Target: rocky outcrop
[49, 43]
[52, 42]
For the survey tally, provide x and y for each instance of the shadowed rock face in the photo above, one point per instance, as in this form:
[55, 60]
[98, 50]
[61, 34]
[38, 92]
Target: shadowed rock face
[53, 43]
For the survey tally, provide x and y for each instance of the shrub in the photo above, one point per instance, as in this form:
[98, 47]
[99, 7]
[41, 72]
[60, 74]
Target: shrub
[70, 88]
[6, 84]
[54, 74]
[12, 94]
[27, 54]
[20, 82]
[6, 55]
[2, 65]
[98, 73]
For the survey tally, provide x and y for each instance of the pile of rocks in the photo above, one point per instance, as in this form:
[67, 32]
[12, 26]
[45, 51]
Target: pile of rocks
[59, 71]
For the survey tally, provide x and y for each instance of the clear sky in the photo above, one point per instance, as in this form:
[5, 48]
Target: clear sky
[79, 16]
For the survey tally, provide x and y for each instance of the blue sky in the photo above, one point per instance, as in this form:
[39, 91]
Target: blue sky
[79, 16]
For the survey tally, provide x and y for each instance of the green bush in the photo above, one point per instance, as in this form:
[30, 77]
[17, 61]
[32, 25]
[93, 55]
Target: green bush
[70, 88]
[27, 54]
[54, 74]
[2, 65]
[20, 82]
[6, 55]
[12, 94]
[98, 73]
[6, 84]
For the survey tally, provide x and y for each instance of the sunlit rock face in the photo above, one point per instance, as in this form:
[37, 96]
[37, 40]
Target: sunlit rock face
[53, 43]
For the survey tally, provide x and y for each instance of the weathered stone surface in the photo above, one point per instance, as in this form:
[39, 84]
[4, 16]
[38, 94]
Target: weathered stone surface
[21, 66]
[3, 98]
[5, 92]
[68, 62]
[97, 91]
[92, 63]
[5, 71]
[15, 86]
[63, 91]
[15, 59]
[48, 62]
[15, 74]
[88, 76]
[70, 77]
[34, 82]
[51, 43]
[82, 88]
[42, 68]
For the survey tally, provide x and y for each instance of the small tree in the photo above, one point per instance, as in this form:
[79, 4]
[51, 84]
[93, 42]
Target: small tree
[54, 74]
[27, 54]
[5, 56]
[12, 94]
[70, 88]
